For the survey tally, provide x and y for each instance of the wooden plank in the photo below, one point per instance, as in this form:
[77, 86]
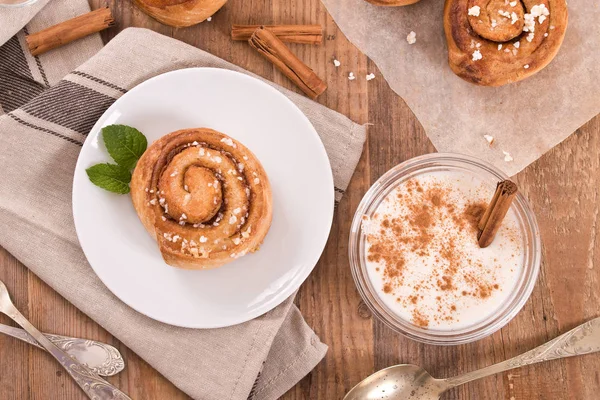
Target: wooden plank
[563, 186]
[14, 354]
[328, 299]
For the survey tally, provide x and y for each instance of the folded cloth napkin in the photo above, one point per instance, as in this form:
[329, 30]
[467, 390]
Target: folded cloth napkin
[45, 122]
[12, 19]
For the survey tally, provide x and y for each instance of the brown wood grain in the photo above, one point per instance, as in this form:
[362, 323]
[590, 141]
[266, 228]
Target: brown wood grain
[563, 187]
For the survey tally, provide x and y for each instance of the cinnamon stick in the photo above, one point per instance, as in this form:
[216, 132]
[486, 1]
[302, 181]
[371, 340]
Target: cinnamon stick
[68, 31]
[496, 211]
[273, 49]
[306, 34]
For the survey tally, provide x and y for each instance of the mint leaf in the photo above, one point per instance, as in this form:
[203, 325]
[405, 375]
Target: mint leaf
[111, 177]
[124, 144]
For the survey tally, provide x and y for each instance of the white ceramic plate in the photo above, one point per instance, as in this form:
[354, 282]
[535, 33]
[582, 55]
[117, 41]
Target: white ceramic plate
[128, 261]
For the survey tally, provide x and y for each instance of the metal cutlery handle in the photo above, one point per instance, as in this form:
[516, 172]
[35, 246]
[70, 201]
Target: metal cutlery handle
[583, 339]
[102, 358]
[91, 383]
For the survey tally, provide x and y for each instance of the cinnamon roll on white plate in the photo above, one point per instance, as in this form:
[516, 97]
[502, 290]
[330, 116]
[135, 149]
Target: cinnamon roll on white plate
[203, 196]
[235, 176]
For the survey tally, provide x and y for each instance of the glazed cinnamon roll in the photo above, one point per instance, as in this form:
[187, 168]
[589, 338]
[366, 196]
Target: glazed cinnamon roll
[203, 196]
[495, 42]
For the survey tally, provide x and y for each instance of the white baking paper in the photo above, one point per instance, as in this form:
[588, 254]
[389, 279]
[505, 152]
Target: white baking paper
[526, 118]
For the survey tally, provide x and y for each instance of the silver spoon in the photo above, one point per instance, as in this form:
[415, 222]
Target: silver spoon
[409, 382]
[102, 358]
[94, 387]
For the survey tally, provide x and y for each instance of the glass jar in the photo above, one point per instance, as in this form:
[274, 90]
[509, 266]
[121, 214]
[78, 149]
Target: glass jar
[485, 173]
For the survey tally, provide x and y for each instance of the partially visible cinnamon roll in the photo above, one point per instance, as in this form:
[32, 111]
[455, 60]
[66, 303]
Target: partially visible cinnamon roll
[180, 13]
[495, 42]
[392, 3]
[203, 196]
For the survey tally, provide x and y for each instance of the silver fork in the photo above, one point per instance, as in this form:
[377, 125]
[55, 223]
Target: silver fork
[91, 383]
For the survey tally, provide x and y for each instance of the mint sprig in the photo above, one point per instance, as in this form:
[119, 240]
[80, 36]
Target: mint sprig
[111, 177]
[125, 145]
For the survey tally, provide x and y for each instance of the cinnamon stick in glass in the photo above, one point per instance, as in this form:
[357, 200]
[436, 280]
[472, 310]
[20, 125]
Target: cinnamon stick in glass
[305, 34]
[496, 211]
[68, 31]
[273, 49]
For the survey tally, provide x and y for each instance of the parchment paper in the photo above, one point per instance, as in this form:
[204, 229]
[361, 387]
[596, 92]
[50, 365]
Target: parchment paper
[526, 118]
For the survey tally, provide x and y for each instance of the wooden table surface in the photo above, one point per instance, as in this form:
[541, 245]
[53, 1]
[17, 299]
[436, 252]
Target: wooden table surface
[563, 188]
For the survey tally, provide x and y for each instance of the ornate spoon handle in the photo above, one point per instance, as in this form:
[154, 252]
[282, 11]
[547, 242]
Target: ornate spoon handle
[584, 339]
[92, 384]
[102, 358]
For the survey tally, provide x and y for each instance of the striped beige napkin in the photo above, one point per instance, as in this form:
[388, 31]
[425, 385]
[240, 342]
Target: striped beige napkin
[48, 111]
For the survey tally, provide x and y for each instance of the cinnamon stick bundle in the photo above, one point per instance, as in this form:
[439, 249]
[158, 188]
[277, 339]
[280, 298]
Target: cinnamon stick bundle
[273, 49]
[496, 211]
[68, 31]
[306, 34]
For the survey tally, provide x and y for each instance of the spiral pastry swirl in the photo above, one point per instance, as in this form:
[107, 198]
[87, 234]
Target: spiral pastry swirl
[203, 196]
[495, 42]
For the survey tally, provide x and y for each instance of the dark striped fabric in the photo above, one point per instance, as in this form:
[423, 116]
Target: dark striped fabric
[252, 394]
[17, 85]
[46, 130]
[100, 81]
[70, 105]
[39, 63]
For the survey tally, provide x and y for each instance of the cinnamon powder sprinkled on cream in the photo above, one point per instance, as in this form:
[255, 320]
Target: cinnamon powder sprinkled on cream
[422, 222]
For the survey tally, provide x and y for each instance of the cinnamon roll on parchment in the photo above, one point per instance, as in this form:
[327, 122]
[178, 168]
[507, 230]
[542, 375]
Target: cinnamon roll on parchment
[495, 42]
[203, 196]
